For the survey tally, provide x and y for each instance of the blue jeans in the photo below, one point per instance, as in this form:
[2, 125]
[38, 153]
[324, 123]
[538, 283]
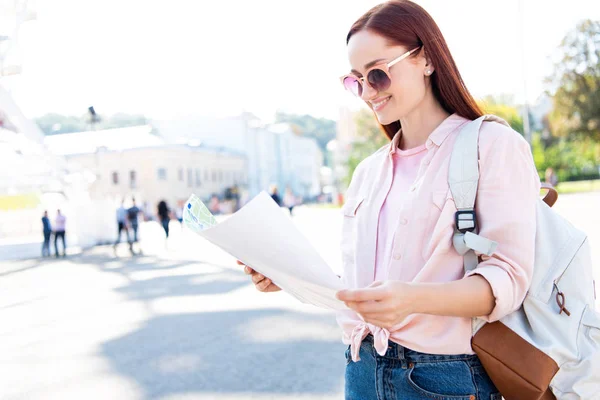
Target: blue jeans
[406, 374]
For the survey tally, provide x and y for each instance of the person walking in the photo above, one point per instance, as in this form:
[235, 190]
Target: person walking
[275, 195]
[47, 230]
[60, 225]
[122, 226]
[289, 200]
[410, 303]
[164, 215]
[133, 213]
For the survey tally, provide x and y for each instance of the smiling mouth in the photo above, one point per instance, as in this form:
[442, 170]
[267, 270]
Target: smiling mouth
[378, 105]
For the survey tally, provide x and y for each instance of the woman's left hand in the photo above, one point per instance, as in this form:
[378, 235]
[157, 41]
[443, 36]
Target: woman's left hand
[383, 304]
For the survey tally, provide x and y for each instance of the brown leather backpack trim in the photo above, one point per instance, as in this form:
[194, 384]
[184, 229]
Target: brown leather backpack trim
[519, 370]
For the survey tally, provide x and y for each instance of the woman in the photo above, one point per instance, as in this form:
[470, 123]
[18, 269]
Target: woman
[164, 215]
[408, 326]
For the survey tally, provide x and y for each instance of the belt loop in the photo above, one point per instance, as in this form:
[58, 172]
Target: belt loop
[402, 357]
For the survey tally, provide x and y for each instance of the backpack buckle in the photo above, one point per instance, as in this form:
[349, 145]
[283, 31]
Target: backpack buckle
[465, 221]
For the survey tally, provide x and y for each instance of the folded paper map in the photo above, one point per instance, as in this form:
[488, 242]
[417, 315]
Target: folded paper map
[264, 238]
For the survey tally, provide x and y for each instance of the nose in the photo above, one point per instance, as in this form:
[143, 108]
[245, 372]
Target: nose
[368, 92]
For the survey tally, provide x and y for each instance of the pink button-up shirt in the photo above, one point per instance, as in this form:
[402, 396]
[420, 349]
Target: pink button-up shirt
[422, 247]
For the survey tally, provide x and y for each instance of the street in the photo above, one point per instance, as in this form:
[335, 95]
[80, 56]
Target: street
[181, 321]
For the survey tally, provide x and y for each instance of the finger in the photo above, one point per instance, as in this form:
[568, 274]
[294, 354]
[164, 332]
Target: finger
[264, 284]
[248, 270]
[240, 263]
[367, 307]
[256, 278]
[272, 288]
[366, 294]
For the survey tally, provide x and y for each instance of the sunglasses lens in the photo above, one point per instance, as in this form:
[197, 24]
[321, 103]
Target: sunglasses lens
[379, 80]
[353, 86]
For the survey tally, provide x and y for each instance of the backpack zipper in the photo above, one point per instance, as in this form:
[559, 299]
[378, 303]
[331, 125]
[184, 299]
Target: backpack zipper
[560, 298]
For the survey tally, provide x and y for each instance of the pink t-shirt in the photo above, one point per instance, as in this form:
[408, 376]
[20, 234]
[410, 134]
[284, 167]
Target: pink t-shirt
[406, 166]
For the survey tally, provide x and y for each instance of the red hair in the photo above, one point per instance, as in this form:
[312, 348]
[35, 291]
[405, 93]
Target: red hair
[407, 24]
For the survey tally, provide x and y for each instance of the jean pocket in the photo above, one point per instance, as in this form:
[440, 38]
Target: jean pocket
[447, 380]
[496, 396]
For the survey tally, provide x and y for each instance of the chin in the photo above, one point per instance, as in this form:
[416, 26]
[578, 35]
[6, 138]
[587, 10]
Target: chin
[385, 118]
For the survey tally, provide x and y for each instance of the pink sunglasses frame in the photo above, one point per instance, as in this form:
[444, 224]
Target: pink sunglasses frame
[385, 67]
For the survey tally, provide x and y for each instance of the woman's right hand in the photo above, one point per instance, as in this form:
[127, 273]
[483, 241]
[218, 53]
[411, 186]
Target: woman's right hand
[262, 283]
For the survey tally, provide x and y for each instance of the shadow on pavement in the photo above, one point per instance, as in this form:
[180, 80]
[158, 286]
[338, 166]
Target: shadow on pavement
[269, 351]
[253, 351]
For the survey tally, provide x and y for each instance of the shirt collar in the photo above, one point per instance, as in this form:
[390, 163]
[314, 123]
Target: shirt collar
[436, 137]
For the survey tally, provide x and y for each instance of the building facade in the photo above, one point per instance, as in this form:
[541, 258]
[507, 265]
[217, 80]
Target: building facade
[274, 153]
[134, 162]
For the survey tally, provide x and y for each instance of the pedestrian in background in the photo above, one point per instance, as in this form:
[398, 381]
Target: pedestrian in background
[60, 224]
[47, 229]
[179, 211]
[550, 177]
[122, 226]
[164, 215]
[275, 195]
[289, 200]
[133, 213]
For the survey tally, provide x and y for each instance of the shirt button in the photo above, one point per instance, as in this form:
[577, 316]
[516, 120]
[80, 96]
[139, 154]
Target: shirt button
[403, 221]
[397, 256]
[412, 189]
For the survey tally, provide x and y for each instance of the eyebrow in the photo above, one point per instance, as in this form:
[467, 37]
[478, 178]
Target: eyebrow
[369, 65]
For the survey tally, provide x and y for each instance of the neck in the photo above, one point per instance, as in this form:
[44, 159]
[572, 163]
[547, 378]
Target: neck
[418, 125]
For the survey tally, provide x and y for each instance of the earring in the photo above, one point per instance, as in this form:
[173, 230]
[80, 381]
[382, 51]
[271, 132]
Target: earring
[428, 72]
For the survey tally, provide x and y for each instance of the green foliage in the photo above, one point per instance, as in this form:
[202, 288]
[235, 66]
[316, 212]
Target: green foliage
[370, 138]
[570, 159]
[501, 106]
[321, 129]
[576, 83]
[52, 124]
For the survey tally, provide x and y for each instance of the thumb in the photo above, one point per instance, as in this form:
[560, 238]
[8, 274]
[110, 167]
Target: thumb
[375, 284]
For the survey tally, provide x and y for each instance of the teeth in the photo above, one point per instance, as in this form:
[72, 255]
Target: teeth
[380, 103]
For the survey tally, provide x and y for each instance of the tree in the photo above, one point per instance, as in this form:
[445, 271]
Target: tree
[576, 83]
[370, 138]
[502, 106]
[321, 129]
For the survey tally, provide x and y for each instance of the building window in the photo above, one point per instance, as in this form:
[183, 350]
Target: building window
[206, 175]
[197, 177]
[220, 176]
[115, 178]
[162, 174]
[214, 175]
[189, 177]
[180, 174]
[132, 179]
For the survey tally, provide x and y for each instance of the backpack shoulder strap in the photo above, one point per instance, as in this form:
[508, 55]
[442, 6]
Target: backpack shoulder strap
[463, 179]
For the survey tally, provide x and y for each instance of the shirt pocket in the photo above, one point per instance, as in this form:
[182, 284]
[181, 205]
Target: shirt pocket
[350, 211]
[439, 224]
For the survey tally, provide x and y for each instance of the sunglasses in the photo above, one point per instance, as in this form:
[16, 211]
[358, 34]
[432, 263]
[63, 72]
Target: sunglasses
[378, 76]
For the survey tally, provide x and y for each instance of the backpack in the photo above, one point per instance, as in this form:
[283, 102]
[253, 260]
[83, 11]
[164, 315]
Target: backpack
[550, 347]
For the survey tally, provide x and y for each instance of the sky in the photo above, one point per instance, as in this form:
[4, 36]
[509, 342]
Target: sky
[172, 58]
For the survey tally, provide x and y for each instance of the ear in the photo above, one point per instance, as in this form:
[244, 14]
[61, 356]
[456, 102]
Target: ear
[429, 68]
